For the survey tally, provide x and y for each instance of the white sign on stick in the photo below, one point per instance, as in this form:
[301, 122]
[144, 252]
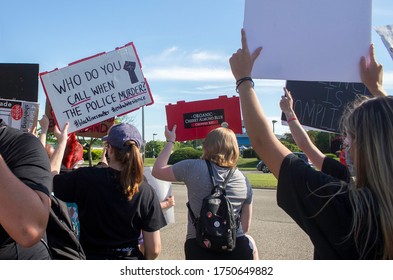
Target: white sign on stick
[308, 40]
[97, 88]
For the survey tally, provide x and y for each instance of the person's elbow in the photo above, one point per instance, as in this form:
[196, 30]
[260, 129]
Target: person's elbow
[152, 244]
[153, 252]
[246, 227]
[29, 235]
[155, 172]
[163, 173]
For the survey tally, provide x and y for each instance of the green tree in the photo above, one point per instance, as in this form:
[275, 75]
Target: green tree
[154, 148]
[322, 141]
[291, 146]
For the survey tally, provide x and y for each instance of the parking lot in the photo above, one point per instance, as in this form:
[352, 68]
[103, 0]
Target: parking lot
[277, 236]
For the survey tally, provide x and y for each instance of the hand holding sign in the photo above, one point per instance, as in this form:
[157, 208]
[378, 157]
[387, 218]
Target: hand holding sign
[95, 89]
[371, 73]
[170, 135]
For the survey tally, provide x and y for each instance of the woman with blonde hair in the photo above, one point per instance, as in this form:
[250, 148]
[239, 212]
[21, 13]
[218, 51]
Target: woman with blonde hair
[221, 149]
[114, 203]
[344, 219]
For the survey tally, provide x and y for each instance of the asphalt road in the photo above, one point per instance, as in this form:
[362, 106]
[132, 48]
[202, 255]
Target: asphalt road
[277, 236]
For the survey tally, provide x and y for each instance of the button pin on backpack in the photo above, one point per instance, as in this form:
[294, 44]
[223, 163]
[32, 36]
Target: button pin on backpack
[209, 214]
[217, 224]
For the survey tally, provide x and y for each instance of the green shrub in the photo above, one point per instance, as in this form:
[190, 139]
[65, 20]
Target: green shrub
[249, 153]
[184, 153]
[95, 154]
[292, 147]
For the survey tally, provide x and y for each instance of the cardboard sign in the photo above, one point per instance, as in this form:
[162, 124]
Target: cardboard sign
[196, 119]
[97, 88]
[19, 114]
[19, 81]
[320, 105]
[98, 130]
[308, 40]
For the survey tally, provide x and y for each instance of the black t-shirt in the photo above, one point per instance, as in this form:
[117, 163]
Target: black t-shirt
[335, 169]
[107, 219]
[308, 196]
[26, 158]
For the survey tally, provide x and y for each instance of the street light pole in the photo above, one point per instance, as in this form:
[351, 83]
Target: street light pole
[154, 143]
[274, 122]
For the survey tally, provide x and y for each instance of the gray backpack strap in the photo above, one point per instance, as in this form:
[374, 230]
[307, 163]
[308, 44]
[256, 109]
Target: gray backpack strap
[224, 184]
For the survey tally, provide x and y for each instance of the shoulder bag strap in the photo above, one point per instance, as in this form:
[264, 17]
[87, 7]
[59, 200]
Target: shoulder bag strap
[228, 177]
[224, 184]
[209, 167]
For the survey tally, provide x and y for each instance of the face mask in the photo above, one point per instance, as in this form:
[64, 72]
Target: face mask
[350, 165]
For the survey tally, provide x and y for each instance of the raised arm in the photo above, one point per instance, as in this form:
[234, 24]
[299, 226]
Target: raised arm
[298, 133]
[371, 73]
[57, 157]
[264, 142]
[161, 170]
[44, 124]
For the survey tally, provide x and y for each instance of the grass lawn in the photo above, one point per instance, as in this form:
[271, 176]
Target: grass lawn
[257, 180]
[262, 180]
[247, 164]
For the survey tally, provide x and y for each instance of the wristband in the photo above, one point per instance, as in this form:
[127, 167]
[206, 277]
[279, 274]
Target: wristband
[291, 119]
[240, 81]
[169, 141]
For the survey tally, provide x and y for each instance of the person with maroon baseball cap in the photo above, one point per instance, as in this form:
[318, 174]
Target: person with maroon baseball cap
[115, 204]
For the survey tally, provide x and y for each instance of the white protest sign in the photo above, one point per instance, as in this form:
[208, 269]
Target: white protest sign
[308, 40]
[97, 88]
[163, 190]
[386, 33]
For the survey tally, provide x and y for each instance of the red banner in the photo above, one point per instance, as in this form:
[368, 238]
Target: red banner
[196, 119]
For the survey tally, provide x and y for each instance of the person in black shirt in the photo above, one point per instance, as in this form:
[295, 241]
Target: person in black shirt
[114, 204]
[344, 220]
[325, 164]
[24, 195]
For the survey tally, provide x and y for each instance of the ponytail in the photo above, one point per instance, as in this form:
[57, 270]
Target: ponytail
[131, 176]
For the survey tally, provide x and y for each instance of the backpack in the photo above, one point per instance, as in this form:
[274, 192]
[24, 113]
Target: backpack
[216, 225]
[63, 243]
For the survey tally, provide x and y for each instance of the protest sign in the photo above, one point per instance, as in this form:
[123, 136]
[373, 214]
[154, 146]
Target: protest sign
[308, 40]
[386, 33]
[97, 88]
[19, 81]
[19, 114]
[196, 119]
[163, 190]
[320, 105]
[98, 130]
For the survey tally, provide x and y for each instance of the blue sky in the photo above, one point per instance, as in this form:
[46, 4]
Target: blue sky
[184, 46]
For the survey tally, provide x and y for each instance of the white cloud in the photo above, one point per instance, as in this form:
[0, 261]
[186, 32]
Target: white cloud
[175, 64]
[203, 56]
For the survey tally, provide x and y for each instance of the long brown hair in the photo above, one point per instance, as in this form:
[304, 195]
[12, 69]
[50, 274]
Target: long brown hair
[369, 123]
[131, 175]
